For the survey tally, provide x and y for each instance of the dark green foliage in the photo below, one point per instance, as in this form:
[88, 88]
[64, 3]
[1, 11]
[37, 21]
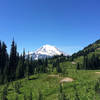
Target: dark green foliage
[4, 97]
[90, 48]
[56, 65]
[76, 93]
[27, 69]
[13, 66]
[61, 95]
[76, 96]
[17, 87]
[4, 61]
[59, 70]
[61, 58]
[5, 90]
[25, 98]
[78, 66]
[19, 69]
[23, 64]
[97, 86]
[16, 97]
[4, 56]
[4, 94]
[92, 62]
[0, 54]
[30, 97]
[31, 67]
[60, 89]
[13, 61]
[40, 96]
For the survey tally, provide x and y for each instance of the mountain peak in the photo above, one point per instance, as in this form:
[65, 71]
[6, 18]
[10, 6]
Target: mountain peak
[48, 50]
[47, 46]
[45, 51]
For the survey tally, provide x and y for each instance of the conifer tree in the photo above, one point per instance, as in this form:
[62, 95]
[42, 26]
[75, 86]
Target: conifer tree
[0, 56]
[78, 66]
[13, 61]
[5, 76]
[27, 67]
[4, 57]
[31, 67]
[3, 62]
[23, 63]
[58, 68]
[19, 69]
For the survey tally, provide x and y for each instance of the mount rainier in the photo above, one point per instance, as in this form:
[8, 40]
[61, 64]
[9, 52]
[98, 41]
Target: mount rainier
[45, 52]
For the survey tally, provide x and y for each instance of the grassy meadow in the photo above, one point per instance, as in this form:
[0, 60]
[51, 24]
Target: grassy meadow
[48, 85]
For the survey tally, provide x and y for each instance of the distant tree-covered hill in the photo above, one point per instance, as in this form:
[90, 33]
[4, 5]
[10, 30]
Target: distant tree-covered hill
[90, 48]
[89, 57]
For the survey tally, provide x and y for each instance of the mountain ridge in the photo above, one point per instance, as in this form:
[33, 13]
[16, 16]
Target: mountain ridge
[46, 51]
[88, 49]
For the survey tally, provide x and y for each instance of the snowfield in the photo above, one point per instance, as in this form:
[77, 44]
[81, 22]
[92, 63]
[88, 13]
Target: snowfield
[45, 52]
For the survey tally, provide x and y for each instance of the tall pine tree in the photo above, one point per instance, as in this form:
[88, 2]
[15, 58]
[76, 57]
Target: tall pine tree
[13, 61]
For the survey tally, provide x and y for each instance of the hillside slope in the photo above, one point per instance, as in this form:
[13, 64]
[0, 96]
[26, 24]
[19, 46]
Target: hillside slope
[90, 48]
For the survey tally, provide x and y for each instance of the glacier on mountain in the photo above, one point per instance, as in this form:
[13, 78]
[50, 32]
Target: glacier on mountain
[45, 52]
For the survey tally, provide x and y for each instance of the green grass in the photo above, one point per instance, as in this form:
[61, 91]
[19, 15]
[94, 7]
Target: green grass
[84, 81]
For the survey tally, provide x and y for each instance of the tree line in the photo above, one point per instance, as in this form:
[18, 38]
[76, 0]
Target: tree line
[90, 48]
[14, 66]
[90, 62]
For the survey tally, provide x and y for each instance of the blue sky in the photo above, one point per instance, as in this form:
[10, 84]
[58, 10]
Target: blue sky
[67, 24]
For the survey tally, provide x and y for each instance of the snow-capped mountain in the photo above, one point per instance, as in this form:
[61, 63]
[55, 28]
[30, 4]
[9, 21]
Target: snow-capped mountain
[45, 51]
